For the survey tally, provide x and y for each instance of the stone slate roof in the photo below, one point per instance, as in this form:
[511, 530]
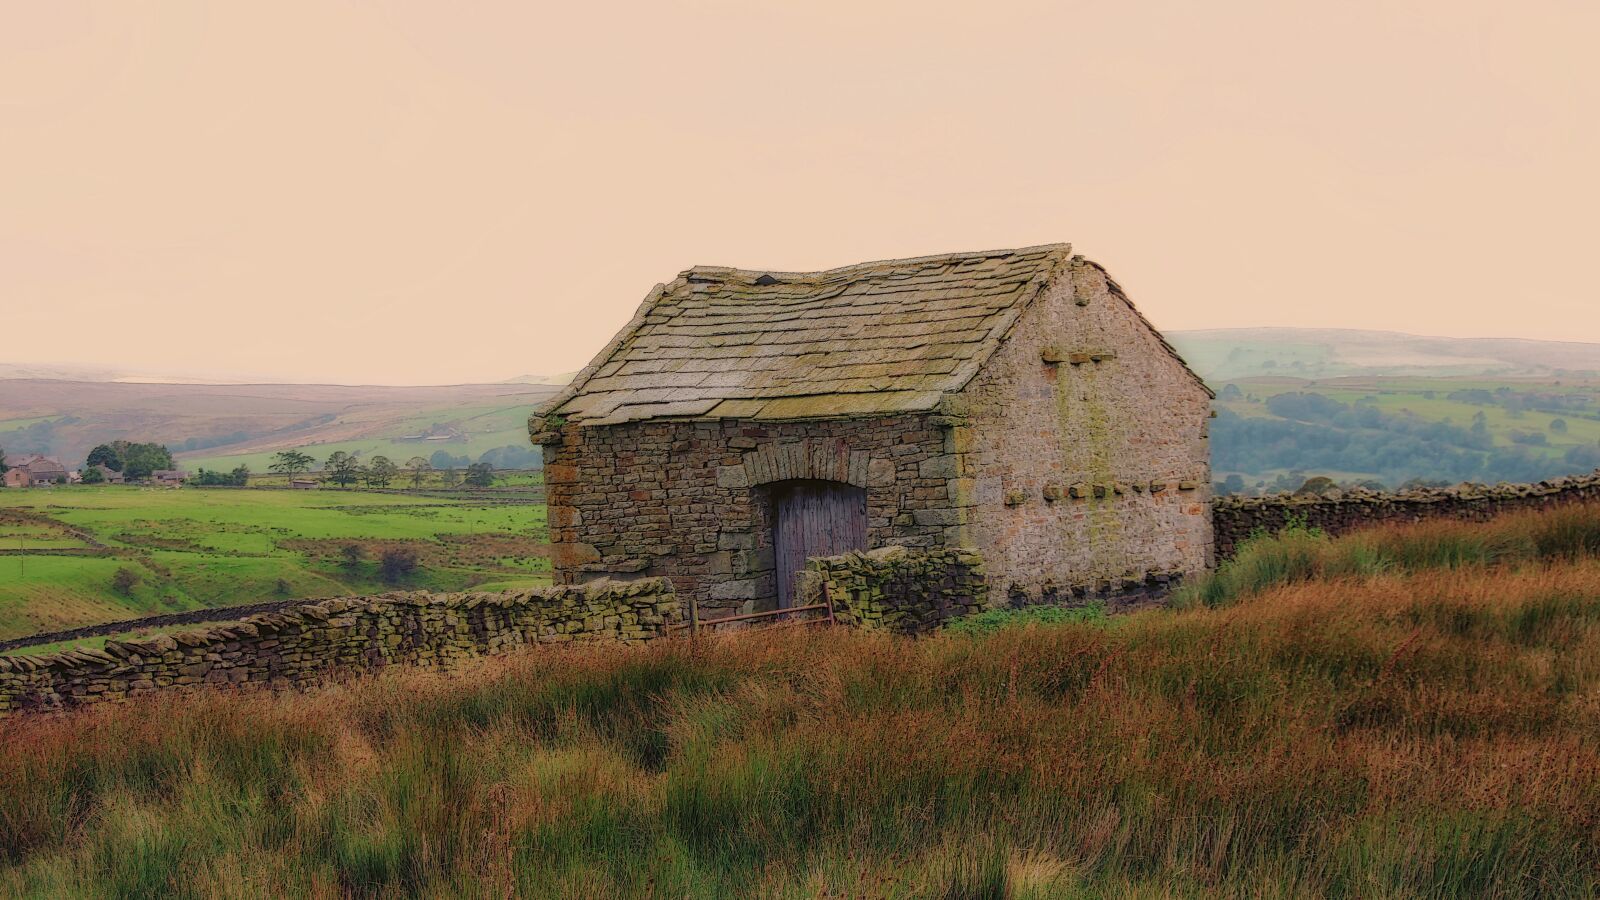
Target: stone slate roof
[868, 339]
[37, 465]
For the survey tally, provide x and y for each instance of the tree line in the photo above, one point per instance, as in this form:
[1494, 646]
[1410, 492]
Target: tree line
[345, 469]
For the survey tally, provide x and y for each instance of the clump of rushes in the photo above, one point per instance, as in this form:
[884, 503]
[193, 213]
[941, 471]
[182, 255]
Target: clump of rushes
[1425, 729]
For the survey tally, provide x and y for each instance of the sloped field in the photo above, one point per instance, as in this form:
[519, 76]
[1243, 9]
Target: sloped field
[1421, 728]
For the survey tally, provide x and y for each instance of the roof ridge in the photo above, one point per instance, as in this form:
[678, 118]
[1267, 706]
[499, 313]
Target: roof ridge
[877, 263]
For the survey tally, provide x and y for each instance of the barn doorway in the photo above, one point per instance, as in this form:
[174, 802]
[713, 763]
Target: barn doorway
[814, 518]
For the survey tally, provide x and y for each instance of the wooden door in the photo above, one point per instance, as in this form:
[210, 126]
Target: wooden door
[814, 518]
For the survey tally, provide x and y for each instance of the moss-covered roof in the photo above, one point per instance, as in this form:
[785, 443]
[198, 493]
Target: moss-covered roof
[867, 339]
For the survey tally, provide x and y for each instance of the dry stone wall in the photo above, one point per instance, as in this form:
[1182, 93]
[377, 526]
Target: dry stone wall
[314, 643]
[899, 589]
[1236, 518]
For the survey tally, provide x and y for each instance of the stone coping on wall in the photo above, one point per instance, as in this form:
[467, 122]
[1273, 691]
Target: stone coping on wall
[1465, 491]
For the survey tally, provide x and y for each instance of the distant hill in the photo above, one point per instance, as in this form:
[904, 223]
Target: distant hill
[1375, 405]
[556, 380]
[1232, 353]
[213, 425]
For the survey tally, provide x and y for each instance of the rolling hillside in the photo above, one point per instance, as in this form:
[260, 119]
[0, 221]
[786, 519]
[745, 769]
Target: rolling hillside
[1230, 353]
[1402, 407]
[1364, 406]
[222, 425]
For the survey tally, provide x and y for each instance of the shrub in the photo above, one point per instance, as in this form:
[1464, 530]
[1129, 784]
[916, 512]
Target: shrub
[353, 554]
[124, 580]
[397, 563]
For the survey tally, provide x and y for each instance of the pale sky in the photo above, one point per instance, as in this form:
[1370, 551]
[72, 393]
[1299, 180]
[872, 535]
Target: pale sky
[416, 193]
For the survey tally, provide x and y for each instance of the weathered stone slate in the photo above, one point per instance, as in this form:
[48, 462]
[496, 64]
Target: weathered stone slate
[899, 333]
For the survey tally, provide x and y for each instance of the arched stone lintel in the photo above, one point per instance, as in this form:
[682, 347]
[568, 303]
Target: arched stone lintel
[813, 458]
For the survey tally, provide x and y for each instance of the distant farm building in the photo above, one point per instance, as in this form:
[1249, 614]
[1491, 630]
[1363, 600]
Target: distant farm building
[1012, 402]
[304, 484]
[168, 477]
[34, 471]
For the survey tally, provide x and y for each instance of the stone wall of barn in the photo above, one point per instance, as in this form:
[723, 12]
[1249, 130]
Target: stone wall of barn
[313, 643]
[1085, 466]
[691, 501]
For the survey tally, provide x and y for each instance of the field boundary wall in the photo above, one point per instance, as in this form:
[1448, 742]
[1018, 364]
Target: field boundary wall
[314, 643]
[1235, 519]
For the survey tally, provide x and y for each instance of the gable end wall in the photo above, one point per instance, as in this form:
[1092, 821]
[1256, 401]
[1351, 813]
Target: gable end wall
[1085, 450]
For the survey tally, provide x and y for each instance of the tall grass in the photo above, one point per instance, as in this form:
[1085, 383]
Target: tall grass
[1427, 731]
[1298, 553]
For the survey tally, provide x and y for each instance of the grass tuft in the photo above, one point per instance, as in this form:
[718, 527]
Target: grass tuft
[992, 620]
[1298, 553]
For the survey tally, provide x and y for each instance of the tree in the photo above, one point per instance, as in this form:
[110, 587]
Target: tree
[480, 474]
[343, 468]
[94, 475]
[1317, 484]
[132, 459]
[3, 467]
[240, 476]
[124, 580]
[396, 563]
[105, 455]
[418, 468]
[381, 471]
[1480, 431]
[290, 462]
[1559, 426]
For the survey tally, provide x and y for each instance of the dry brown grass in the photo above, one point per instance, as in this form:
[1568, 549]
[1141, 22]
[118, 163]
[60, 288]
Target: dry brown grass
[1422, 732]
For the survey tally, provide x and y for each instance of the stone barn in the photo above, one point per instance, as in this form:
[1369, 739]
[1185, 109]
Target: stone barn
[1012, 402]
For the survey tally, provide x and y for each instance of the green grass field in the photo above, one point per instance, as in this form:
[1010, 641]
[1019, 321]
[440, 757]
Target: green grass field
[193, 548]
[1427, 399]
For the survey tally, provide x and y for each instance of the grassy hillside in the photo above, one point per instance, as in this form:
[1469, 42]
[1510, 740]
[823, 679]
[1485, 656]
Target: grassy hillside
[219, 426]
[1399, 428]
[194, 548]
[1408, 413]
[1226, 354]
[1418, 730]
